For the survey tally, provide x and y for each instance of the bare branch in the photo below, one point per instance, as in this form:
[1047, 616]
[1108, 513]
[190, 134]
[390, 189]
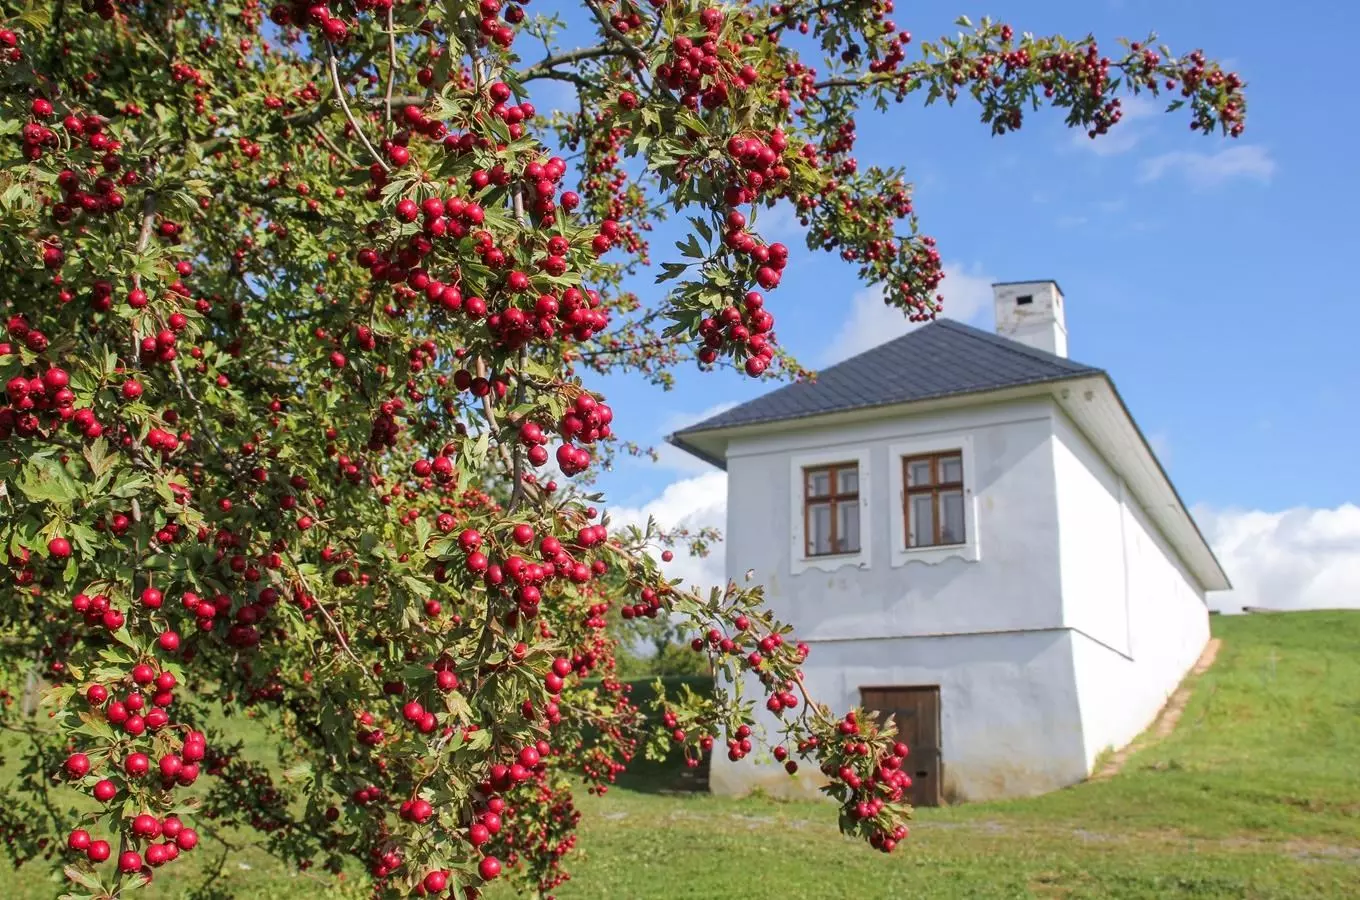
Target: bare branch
[349, 116]
[325, 139]
[543, 68]
[391, 63]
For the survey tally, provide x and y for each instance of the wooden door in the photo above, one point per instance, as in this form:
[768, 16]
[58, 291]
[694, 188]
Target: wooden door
[916, 711]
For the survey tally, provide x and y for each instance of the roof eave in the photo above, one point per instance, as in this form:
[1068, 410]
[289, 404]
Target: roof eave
[676, 440]
[684, 439]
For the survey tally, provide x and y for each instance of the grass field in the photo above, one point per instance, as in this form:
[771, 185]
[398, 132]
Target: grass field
[1255, 795]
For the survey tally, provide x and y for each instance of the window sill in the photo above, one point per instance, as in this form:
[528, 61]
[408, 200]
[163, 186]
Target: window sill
[831, 562]
[931, 555]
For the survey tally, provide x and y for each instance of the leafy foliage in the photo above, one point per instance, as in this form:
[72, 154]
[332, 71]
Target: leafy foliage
[299, 308]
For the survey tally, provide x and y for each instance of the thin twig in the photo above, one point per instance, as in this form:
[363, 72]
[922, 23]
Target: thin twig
[325, 139]
[202, 419]
[349, 116]
[143, 239]
[339, 636]
[608, 28]
[541, 68]
[300, 119]
[391, 62]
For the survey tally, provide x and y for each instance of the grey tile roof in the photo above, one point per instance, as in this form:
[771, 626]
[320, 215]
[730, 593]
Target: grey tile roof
[941, 359]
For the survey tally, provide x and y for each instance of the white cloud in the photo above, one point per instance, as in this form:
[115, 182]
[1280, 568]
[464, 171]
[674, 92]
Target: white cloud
[872, 322]
[1300, 558]
[1207, 170]
[1124, 135]
[677, 420]
[693, 503]
[780, 223]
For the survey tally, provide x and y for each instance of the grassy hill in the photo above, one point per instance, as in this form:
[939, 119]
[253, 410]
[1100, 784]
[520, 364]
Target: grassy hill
[1255, 795]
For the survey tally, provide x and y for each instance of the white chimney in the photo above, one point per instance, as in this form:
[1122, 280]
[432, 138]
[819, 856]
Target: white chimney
[1031, 312]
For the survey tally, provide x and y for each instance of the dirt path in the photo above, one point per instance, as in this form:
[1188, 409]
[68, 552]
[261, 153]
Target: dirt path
[1166, 720]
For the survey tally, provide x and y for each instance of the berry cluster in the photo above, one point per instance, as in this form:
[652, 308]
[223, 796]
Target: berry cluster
[144, 721]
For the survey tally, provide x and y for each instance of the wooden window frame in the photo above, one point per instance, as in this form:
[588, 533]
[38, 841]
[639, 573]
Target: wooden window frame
[832, 499]
[934, 489]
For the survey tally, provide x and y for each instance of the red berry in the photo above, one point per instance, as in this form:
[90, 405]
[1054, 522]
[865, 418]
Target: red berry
[77, 765]
[489, 868]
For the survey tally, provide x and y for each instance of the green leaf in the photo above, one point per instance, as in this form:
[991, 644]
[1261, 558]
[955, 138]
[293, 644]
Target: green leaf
[85, 879]
[38, 17]
[422, 531]
[46, 479]
[670, 271]
[481, 447]
[690, 247]
[98, 457]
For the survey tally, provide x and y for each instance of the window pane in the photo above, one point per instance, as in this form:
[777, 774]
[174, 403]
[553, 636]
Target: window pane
[819, 529]
[847, 527]
[920, 521]
[951, 470]
[951, 517]
[819, 482]
[847, 478]
[918, 472]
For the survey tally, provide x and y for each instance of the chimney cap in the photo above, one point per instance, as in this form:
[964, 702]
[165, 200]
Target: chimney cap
[1052, 281]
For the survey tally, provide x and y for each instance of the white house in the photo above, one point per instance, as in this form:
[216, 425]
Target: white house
[971, 532]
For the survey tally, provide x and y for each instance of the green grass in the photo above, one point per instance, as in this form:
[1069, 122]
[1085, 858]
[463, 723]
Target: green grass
[1255, 795]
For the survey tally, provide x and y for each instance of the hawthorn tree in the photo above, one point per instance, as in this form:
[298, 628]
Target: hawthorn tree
[302, 308]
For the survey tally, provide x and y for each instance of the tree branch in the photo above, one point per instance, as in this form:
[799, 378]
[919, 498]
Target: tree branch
[629, 48]
[543, 68]
[349, 116]
[391, 63]
[330, 145]
[143, 239]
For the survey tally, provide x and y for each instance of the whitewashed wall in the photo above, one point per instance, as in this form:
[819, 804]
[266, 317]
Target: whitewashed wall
[1009, 716]
[1140, 619]
[988, 631]
[1059, 634]
[1014, 585]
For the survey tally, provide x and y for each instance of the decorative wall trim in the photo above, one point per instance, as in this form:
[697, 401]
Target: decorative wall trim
[939, 442]
[799, 560]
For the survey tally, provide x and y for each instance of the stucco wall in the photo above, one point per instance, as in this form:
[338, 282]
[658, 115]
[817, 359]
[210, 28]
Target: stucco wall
[1008, 702]
[1140, 620]
[1061, 635]
[1014, 585]
[1008, 711]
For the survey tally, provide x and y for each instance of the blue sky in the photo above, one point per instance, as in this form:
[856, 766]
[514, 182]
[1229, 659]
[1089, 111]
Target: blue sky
[1209, 276]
